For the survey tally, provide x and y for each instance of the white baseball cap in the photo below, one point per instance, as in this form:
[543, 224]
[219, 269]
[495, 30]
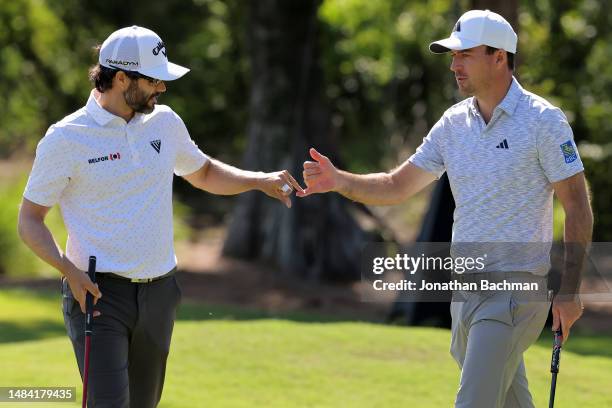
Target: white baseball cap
[478, 27]
[140, 50]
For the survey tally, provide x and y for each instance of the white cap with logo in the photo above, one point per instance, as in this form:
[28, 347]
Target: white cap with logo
[478, 27]
[140, 50]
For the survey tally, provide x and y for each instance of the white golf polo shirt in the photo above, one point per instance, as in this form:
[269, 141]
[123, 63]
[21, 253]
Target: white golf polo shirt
[113, 183]
[501, 174]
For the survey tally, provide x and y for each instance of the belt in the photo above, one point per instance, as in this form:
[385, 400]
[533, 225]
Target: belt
[135, 280]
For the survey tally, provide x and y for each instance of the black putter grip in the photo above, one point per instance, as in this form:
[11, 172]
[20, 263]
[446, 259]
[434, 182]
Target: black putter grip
[88, 296]
[556, 354]
[92, 269]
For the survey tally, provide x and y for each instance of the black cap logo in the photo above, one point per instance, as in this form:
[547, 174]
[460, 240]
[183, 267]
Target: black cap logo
[457, 27]
[160, 47]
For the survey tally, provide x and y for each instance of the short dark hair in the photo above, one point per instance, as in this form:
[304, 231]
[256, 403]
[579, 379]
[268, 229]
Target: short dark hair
[491, 50]
[102, 77]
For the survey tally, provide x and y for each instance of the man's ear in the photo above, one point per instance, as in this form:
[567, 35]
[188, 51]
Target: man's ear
[121, 81]
[501, 57]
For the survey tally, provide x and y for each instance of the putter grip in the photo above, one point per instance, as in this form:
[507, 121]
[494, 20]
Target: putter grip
[89, 297]
[92, 269]
[556, 354]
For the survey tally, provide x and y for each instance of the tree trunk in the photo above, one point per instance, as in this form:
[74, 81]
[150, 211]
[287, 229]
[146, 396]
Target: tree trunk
[317, 238]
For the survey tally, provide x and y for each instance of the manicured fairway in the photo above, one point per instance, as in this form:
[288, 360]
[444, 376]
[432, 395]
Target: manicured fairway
[226, 357]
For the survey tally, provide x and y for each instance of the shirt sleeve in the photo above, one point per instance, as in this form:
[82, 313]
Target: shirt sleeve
[428, 155]
[189, 158]
[557, 150]
[52, 169]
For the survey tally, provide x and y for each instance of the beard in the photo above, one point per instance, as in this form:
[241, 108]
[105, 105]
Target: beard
[138, 100]
[465, 89]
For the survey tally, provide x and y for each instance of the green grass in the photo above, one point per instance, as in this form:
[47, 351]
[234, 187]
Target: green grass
[228, 357]
[558, 220]
[14, 255]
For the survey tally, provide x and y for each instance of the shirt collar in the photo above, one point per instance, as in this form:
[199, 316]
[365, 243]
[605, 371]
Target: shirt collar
[508, 104]
[100, 115]
[510, 101]
[473, 107]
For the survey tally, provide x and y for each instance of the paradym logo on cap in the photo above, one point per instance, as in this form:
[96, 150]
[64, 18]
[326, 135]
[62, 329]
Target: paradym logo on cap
[478, 27]
[139, 49]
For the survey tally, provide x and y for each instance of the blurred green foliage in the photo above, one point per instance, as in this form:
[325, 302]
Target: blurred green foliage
[15, 258]
[384, 87]
[565, 49]
[46, 50]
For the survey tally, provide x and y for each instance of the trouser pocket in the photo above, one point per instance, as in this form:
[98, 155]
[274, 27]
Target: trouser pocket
[68, 306]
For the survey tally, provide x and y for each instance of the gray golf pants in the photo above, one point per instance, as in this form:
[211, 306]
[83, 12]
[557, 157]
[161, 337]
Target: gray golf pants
[489, 335]
[130, 341]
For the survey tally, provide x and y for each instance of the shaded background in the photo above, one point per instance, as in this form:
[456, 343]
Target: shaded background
[271, 78]
[273, 311]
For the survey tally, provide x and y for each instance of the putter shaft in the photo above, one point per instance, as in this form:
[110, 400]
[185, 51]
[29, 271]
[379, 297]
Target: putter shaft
[554, 365]
[88, 328]
[553, 387]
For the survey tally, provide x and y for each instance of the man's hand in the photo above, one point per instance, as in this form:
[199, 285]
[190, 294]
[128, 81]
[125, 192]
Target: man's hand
[320, 176]
[280, 185]
[565, 313]
[80, 284]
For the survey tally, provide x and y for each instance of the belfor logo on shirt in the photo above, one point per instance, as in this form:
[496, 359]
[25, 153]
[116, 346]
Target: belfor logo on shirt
[112, 156]
[569, 152]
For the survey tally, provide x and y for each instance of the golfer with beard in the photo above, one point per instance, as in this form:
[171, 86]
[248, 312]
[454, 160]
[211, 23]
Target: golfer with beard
[506, 151]
[110, 167]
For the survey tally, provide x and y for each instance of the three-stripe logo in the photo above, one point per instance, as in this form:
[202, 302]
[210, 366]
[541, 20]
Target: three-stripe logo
[502, 145]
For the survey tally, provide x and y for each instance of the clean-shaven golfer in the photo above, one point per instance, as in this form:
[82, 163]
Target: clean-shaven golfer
[506, 151]
[110, 167]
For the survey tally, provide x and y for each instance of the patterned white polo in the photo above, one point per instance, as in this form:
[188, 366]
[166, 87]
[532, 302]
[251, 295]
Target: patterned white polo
[501, 174]
[113, 183]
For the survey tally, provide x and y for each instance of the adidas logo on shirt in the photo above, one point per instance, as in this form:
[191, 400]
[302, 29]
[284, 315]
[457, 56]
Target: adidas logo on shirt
[502, 145]
[156, 145]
